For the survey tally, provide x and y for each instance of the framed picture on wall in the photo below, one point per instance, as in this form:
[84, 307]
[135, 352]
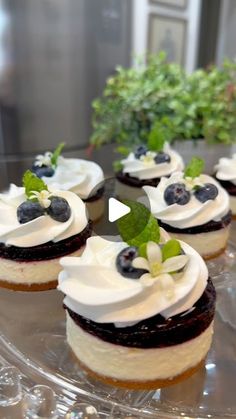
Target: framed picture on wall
[167, 34]
[179, 4]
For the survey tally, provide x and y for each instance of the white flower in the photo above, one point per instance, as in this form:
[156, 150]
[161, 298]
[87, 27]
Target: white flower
[148, 158]
[43, 159]
[42, 197]
[192, 182]
[159, 270]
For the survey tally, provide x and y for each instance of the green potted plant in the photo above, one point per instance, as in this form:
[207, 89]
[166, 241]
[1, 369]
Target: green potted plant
[161, 100]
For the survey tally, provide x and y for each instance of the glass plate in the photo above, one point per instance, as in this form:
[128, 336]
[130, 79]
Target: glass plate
[33, 339]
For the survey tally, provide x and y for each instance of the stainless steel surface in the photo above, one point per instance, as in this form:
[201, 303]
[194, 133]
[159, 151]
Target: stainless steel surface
[55, 56]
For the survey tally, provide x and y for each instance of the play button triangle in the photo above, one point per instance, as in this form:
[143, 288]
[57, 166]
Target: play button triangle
[116, 209]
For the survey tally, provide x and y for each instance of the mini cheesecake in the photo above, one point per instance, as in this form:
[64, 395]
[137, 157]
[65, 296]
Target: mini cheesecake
[83, 177]
[133, 327]
[144, 167]
[226, 176]
[34, 238]
[196, 211]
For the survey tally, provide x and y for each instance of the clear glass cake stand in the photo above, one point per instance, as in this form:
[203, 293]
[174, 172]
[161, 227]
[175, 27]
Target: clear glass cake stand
[32, 338]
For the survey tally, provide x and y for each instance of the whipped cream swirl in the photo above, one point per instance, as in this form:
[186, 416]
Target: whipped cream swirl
[82, 177]
[226, 169]
[192, 214]
[148, 169]
[96, 290]
[42, 229]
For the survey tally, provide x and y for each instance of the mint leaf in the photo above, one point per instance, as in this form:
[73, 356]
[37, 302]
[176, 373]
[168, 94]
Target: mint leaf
[32, 183]
[117, 165]
[139, 226]
[170, 249]
[194, 167]
[156, 139]
[123, 150]
[57, 153]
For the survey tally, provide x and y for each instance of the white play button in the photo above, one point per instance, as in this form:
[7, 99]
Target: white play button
[116, 210]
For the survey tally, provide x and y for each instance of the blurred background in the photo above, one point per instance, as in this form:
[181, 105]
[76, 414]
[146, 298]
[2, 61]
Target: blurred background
[55, 56]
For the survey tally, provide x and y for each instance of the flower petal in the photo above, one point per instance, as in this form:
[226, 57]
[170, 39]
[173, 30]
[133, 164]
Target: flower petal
[175, 263]
[140, 263]
[147, 280]
[153, 253]
[168, 285]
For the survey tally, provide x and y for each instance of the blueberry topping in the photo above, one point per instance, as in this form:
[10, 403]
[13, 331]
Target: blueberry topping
[124, 263]
[59, 209]
[28, 211]
[206, 192]
[140, 151]
[47, 171]
[176, 194]
[162, 157]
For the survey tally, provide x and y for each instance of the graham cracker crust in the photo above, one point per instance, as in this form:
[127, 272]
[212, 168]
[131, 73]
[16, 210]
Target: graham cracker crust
[29, 287]
[140, 385]
[214, 255]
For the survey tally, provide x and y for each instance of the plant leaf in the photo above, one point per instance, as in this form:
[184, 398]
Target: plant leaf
[139, 226]
[117, 165]
[170, 249]
[123, 150]
[142, 251]
[156, 139]
[57, 153]
[32, 183]
[194, 167]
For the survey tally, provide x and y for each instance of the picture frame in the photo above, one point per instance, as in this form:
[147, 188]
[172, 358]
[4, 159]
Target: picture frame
[167, 33]
[176, 4]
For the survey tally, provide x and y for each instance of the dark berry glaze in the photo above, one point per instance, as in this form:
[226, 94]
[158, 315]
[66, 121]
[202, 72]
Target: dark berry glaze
[156, 332]
[229, 186]
[96, 196]
[134, 181]
[204, 228]
[47, 250]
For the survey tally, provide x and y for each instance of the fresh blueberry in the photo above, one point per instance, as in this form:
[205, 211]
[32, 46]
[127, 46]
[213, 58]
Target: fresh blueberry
[28, 211]
[162, 157]
[206, 192]
[59, 209]
[47, 171]
[176, 194]
[124, 263]
[140, 151]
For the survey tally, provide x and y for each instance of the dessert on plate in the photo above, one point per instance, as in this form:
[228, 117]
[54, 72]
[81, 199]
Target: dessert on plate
[193, 207]
[145, 166]
[226, 176]
[138, 321]
[82, 177]
[37, 227]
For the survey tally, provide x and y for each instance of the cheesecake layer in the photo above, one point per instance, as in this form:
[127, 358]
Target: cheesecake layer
[136, 364]
[209, 244]
[35, 272]
[95, 209]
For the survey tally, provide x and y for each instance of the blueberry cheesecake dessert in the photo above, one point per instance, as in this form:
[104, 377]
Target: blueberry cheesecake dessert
[145, 166]
[193, 207]
[80, 176]
[225, 173]
[139, 314]
[37, 227]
